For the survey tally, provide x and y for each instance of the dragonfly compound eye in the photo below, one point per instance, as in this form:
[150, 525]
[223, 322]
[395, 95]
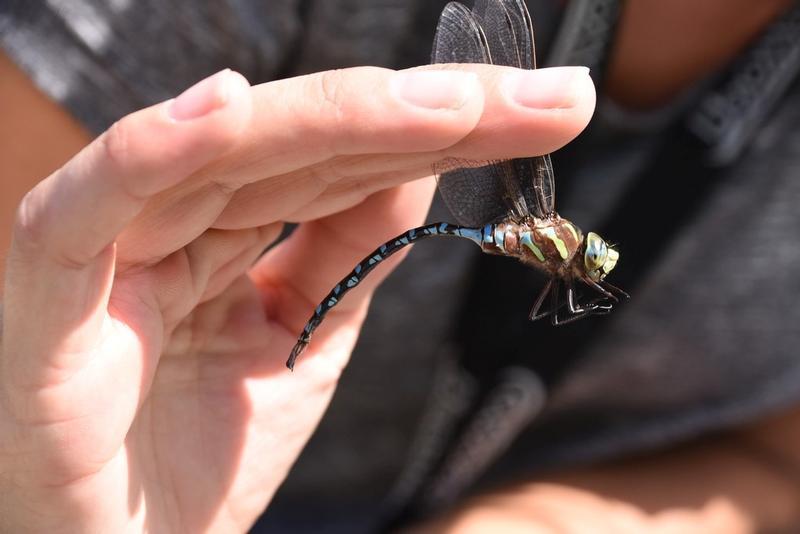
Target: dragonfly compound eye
[596, 255]
[611, 261]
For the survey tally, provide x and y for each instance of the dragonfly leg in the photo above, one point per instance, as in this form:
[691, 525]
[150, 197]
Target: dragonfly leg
[577, 312]
[534, 315]
[614, 289]
[600, 306]
[600, 289]
[555, 302]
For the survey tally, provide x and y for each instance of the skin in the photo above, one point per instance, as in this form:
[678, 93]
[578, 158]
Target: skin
[143, 343]
[665, 47]
[163, 396]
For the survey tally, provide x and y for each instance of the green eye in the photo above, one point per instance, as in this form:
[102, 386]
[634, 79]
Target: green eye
[611, 262]
[596, 252]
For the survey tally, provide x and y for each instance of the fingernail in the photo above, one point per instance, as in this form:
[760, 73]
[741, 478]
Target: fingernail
[556, 87]
[435, 89]
[202, 98]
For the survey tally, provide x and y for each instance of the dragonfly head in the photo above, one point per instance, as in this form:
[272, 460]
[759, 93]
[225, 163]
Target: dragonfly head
[598, 257]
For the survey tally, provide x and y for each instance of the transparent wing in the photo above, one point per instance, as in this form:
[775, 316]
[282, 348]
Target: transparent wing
[509, 32]
[508, 26]
[544, 186]
[470, 189]
[536, 177]
[477, 192]
[459, 37]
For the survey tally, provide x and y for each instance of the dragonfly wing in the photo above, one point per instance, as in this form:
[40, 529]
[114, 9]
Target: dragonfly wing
[544, 186]
[536, 177]
[459, 37]
[470, 190]
[522, 25]
[508, 29]
[509, 32]
[477, 192]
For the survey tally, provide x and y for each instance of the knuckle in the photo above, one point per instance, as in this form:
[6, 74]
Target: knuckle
[30, 226]
[36, 232]
[115, 143]
[334, 108]
[337, 111]
[319, 109]
[118, 152]
[332, 95]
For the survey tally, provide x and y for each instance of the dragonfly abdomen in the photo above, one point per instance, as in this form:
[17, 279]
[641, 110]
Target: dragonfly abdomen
[365, 266]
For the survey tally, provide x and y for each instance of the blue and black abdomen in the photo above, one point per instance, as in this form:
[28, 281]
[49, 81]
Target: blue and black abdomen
[366, 266]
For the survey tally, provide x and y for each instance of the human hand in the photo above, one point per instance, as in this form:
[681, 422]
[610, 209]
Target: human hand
[142, 378]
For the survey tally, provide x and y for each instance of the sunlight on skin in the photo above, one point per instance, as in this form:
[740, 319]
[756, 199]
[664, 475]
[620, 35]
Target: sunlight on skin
[549, 509]
[719, 485]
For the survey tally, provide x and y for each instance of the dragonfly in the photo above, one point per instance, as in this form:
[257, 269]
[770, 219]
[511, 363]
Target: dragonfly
[506, 207]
